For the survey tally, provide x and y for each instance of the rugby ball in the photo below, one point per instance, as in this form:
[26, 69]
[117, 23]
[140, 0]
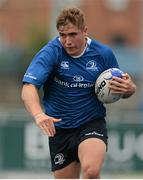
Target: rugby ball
[102, 90]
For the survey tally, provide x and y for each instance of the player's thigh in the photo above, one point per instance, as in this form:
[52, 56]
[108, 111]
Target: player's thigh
[92, 152]
[71, 171]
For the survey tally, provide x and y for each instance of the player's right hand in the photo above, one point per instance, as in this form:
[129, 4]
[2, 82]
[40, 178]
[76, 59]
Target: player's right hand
[46, 124]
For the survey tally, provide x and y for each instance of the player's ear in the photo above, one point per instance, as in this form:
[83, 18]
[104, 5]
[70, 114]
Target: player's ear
[85, 30]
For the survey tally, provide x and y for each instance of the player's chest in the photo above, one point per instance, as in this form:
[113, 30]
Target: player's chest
[80, 69]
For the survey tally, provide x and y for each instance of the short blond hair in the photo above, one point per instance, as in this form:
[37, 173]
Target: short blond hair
[71, 15]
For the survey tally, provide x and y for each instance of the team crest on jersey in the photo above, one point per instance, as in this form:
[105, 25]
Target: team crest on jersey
[65, 65]
[91, 65]
[59, 158]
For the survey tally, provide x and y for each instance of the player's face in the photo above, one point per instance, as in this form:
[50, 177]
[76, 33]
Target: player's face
[73, 39]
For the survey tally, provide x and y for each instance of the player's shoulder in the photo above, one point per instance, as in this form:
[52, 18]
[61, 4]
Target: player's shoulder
[100, 48]
[54, 43]
[50, 50]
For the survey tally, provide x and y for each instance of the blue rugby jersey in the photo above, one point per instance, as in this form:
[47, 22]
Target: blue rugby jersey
[68, 82]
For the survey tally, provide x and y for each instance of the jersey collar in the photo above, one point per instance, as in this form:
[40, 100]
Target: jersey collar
[88, 42]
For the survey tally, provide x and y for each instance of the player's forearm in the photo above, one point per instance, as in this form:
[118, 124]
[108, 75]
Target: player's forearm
[31, 100]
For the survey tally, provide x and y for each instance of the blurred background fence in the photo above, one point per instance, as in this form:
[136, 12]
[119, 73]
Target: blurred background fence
[25, 26]
[23, 147]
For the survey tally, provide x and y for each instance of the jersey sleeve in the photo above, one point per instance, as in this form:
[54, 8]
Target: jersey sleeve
[42, 65]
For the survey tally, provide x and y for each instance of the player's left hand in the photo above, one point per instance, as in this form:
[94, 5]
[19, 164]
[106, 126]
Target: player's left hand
[124, 86]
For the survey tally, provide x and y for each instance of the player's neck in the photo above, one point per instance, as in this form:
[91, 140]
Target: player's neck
[87, 42]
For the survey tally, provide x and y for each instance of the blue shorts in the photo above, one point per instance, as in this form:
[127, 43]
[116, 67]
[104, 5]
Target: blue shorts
[64, 145]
